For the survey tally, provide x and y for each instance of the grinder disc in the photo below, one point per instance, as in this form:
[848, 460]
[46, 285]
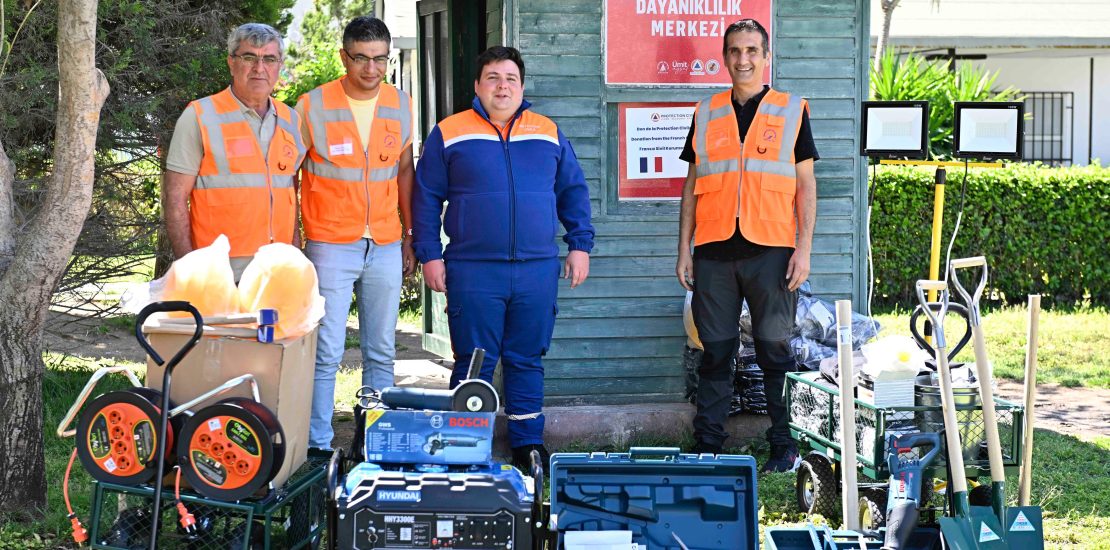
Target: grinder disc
[117, 436]
[475, 395]
[231, 449]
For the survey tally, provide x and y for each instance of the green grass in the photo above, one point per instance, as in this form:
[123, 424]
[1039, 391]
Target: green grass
[1074, 345]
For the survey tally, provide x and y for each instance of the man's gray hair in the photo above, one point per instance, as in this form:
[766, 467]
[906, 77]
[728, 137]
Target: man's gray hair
[255, 34]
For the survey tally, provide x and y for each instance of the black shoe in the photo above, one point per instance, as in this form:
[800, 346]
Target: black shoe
[784, 458]
[522, 457]
[701, 447]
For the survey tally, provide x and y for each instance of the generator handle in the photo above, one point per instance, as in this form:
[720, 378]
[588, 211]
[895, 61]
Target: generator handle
[222, 388]
[84, 396]
[162, 307]
[538, 522]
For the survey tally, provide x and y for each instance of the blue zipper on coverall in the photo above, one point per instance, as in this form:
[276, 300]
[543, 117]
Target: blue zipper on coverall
[512, 183]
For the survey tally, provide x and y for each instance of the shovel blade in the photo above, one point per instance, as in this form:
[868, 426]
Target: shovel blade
[979, 532]
[1024, 527]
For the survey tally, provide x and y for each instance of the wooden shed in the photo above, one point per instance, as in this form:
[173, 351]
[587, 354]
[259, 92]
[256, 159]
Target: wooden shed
[619, 337]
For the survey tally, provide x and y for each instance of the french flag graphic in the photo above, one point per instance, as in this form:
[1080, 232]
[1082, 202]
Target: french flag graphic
[651, 165]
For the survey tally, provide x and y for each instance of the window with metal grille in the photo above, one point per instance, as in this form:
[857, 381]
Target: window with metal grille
[1049, 127]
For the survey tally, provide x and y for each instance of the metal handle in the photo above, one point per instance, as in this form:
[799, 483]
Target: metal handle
[937, 319]
[643, 452]
[972, 300]
[162, 307]
[537, 496]
[914, 440]
[222, 388]
[953, 309]
[84, 396]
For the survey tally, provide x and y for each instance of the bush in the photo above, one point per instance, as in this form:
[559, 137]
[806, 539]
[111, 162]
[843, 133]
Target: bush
[1042, 230]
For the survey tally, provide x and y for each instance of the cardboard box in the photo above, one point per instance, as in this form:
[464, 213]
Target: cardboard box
[284, 371]
[428, 437]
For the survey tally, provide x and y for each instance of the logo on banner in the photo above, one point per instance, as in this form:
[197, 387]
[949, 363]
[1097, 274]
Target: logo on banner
[1021, 523]
[712, 66]
[651, 165]
[696, 68]
[655, 117]
[662, 66]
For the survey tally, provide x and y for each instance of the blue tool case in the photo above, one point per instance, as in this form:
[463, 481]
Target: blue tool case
[668, 500]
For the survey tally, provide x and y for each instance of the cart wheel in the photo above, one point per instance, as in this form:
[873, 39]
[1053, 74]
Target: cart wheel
[872, 509]
[816, 487]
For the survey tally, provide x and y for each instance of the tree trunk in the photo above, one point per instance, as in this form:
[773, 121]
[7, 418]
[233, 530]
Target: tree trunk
[884, 37]
[36, 256]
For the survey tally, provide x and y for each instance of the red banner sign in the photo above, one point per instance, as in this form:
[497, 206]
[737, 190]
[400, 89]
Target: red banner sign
[673, 42]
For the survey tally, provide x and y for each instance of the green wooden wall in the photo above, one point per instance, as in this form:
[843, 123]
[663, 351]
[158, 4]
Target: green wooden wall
[619, 337]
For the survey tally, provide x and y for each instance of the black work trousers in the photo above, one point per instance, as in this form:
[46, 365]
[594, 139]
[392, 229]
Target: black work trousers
[719, 289]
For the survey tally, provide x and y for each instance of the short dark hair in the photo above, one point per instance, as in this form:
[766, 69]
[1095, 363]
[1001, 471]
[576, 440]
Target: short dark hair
[747, 25]
[499, 53]
[366, 29]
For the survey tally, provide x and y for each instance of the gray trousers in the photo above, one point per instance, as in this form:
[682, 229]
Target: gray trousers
[720, 287]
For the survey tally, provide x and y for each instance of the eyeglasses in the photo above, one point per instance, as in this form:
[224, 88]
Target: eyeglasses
[270, 61]
[362, 60]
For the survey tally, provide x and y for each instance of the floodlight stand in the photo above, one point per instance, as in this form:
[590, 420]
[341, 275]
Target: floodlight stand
[941, 178]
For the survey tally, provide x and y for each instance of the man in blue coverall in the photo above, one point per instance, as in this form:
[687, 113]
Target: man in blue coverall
[509, 177]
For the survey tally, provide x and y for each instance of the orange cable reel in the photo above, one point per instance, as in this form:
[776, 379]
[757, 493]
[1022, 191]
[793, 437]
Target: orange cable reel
[232, 449]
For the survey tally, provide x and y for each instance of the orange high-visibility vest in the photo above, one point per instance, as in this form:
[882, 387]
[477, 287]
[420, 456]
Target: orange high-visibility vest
[347, 188]
[755, 180]
[240, 192]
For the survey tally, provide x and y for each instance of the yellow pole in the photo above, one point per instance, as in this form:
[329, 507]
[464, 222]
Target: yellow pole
[934, 250]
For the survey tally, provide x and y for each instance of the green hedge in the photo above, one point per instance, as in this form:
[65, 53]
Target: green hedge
[1043, 230]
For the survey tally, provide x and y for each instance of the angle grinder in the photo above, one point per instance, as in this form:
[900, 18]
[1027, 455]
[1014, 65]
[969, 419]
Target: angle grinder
[471, 395]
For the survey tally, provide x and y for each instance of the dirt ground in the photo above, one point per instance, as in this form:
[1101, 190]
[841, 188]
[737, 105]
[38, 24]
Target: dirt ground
[1082, 412]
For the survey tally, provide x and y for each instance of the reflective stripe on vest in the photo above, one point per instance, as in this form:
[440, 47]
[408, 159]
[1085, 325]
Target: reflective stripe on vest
[347, 188]
[763, 191]
[242, 191]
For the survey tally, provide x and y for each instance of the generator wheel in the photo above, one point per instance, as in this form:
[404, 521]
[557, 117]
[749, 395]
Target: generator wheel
[872, 509]
[815, 487]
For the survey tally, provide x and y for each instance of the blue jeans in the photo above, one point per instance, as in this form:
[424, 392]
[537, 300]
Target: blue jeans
[373, 273]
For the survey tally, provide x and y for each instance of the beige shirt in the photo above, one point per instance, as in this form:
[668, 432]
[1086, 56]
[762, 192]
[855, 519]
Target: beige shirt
[363, 112]
[187, 148]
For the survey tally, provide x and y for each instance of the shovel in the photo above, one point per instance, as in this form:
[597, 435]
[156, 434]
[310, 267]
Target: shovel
[1024, 523]
[961, 531]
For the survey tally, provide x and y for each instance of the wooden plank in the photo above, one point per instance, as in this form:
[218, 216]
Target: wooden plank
[839, 206]
[566, 44]
[560, 7]
[572, 400]
[814, 48]
[577, 86]
[578, 127]
[603, 386]
[595, 367]
[833, 128]
[554, 65]
[629, 332]
[835, 187]
[623, 308]
[555, 105]
[815, 8]
[607, 287]
[835, 167]
[539, 23]
[816, 68]
[826, 108]
[842, 88]
[817, 27]
[618, 347]
[615, 246]
[690, 95]
[841, 146]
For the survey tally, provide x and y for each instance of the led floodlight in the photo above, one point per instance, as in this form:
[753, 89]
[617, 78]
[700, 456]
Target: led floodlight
[988, 130]
[895, 129]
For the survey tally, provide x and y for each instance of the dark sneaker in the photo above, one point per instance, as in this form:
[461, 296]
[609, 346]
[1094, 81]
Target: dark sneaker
[523, 461]
[702, 447]
[784, 458]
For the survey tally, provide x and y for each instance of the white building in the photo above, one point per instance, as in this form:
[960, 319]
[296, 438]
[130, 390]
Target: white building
[1057, 53]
